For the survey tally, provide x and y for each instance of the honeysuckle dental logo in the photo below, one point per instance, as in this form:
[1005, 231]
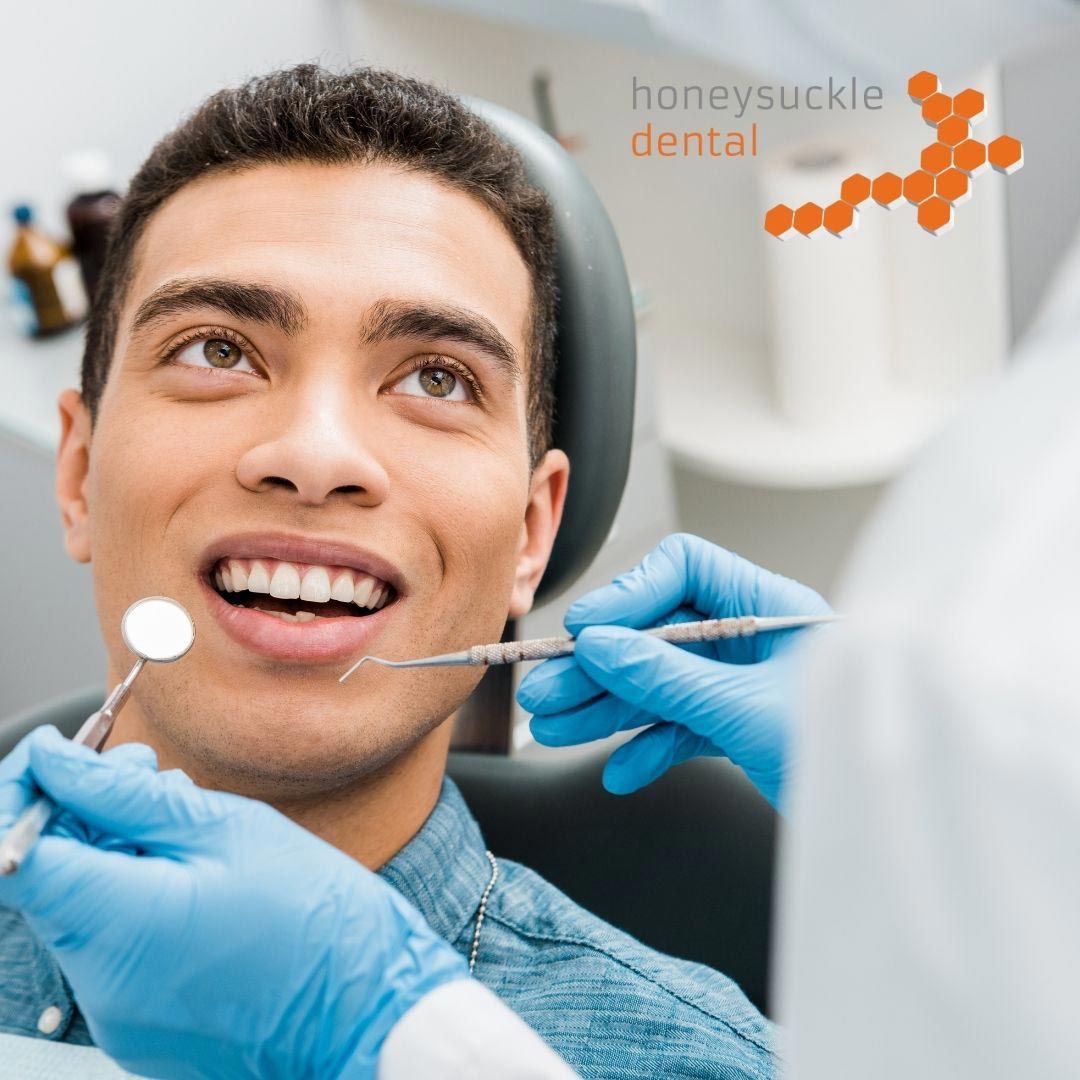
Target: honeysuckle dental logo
[947, 167]
[734, 100]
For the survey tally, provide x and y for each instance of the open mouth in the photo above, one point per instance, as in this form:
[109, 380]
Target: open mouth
[300, 592]
[300, 599]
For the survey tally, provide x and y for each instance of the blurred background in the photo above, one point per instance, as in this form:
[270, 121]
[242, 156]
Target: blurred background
[782, 385]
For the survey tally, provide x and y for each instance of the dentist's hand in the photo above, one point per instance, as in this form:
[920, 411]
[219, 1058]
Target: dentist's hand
[205, 934]
[726, 698]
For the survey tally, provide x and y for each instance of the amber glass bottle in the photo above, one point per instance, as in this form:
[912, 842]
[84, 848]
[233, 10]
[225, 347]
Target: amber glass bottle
[46, 276]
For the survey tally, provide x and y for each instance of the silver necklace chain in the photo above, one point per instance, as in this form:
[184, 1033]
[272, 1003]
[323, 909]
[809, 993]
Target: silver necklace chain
[483, 908]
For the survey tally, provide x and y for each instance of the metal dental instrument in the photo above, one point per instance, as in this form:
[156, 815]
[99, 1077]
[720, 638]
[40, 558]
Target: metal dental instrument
[510, 652]
[154, 628]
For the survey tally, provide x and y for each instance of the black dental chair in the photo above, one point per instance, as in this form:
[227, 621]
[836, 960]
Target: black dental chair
[685, 865]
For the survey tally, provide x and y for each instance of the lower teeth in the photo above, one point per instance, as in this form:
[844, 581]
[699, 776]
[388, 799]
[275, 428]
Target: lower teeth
[297, 616]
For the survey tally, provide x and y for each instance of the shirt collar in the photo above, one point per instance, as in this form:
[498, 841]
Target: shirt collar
[443, 870]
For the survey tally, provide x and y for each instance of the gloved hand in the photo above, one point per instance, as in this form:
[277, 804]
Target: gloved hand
[724, 698]
[219, 939]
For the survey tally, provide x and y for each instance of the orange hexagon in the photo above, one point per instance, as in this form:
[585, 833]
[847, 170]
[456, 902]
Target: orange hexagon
[918, 186]
[936, 158]
[953, 130]
[935, 216]
[936, 107]
[808, 218]
[780, 222]
[841, 218]
[954, 186]
[887, 190]
[970, 156]
[1006, 154]
[855, 189]
[921, 85]
[971, 105]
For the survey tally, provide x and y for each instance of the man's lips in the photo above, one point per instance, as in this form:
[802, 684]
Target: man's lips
[299, 549]
[335, 637]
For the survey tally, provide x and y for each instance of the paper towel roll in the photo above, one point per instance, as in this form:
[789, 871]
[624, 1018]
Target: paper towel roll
[828, 296]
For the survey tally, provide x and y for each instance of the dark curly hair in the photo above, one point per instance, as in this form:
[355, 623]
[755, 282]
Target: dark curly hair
[367, 115]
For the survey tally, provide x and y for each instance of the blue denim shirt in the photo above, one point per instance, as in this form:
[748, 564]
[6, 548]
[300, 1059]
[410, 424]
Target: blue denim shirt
[610, 1006]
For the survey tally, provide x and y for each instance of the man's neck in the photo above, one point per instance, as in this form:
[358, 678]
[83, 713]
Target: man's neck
[373, 820]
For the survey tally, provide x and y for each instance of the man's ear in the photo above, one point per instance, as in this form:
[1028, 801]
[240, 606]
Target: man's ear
[72, 470]
[547, 496]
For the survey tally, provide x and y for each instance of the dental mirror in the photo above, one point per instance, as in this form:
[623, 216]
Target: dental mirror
[154, 628]
[157, 628]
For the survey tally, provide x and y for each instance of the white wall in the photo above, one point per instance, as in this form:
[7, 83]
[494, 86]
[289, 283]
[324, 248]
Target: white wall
[118, 74]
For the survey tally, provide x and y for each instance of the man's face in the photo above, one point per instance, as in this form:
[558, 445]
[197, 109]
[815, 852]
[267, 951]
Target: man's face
[318, 384]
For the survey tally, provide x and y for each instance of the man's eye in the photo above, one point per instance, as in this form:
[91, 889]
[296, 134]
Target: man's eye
[435, 382]
[215, 353]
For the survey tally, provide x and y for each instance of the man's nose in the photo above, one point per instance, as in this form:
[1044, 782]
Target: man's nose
[318, 444]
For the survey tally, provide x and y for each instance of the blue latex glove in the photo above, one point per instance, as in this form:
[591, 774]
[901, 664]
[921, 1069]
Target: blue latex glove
[726, 698]
[210, 936]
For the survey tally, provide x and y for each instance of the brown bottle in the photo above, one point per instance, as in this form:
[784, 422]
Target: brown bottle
[90, 216]
[90, 213]
[47, 278]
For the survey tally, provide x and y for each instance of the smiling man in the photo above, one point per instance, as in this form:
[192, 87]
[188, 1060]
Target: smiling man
[316, 409]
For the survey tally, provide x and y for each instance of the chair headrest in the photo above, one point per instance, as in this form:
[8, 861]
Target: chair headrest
[596, 348]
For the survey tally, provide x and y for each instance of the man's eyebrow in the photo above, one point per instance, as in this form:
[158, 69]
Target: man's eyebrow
[243, 300]
[389, 319]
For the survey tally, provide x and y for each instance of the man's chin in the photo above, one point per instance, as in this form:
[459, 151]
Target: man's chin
[291, 757]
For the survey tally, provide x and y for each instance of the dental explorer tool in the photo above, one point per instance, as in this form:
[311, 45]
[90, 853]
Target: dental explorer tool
[154, 628]
[510, 652]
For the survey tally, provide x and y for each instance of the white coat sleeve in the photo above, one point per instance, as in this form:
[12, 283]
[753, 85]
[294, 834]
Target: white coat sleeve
[930, 864]
[462, 1031]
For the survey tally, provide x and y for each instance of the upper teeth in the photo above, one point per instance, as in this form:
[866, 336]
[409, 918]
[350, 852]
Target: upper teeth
[292, 581]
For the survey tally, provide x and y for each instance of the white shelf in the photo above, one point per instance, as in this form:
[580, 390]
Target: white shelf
[33, 373]
[725, 426]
